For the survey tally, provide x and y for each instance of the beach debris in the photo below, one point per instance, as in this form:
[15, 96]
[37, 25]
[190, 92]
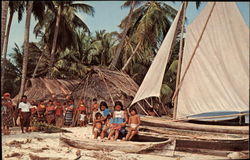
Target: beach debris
[17, 155]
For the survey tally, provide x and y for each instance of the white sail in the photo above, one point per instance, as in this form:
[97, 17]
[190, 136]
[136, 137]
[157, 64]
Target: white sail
[218, 77]
[151, 85]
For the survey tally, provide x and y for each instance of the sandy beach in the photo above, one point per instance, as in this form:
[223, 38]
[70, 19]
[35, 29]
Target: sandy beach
[38, 145]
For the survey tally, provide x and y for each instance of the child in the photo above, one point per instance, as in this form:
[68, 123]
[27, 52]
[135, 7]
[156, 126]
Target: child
[50, 112]
[119, 120]
[97, 125]
[94, 109]
[134, 122]
[81, 114]
[107, 126]
[59, 114]
[83, 118]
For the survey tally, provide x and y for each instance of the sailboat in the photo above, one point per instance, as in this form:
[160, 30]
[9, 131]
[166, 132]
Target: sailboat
[212, 77]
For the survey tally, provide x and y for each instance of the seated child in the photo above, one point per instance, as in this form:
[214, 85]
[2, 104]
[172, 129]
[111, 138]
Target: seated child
[107, 126]
[97, 125]
[119, 120]
[133, 122]
[83, 119]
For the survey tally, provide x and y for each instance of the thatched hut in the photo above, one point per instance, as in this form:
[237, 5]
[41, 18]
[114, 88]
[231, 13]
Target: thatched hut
[43, 88]
[106, 85]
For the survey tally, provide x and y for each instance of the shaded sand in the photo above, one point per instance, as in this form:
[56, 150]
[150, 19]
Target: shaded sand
[37, 145]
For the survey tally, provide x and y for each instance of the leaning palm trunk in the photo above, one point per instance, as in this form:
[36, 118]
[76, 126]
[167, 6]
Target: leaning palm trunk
[5, 46]
[132, 55]
[5, 5]
[120, 46]
[26, 47]
[52, 59]
[39, 61]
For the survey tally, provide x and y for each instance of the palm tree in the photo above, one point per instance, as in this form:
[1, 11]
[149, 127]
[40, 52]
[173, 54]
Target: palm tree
[5, 5]
[14, 6]
[132, 5]
[149, 25]
[26, 46]
[66, 18]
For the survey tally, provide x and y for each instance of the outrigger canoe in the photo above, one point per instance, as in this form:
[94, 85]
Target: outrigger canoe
[124, 146]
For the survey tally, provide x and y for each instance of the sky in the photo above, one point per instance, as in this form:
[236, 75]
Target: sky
[108, 15]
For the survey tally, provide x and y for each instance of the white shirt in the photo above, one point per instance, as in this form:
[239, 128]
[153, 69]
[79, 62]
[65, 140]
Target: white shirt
[25, 107]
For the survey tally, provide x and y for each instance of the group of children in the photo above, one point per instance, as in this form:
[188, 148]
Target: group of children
[64, 113]
[115, 124]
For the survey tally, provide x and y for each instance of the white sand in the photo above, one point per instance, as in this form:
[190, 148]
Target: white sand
[48, 145]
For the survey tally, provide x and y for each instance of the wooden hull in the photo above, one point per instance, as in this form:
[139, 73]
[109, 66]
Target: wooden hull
[124, 146]
[160, 122]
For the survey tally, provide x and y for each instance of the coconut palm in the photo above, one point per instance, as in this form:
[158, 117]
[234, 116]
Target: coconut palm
[132, 5]
[26, 45]
[63, 14]
[14, 6]
[4, 12]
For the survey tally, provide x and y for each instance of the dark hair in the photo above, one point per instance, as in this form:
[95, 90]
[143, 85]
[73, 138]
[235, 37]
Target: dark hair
[151, 110]
[118, 103]
[94, 99]
[24, 96]
[98, 114]
[103, 103]
[132, 109]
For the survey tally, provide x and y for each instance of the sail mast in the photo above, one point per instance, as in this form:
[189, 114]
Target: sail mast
[180, 57]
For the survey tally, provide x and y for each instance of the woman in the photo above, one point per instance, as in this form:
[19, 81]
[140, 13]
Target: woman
[7, 113]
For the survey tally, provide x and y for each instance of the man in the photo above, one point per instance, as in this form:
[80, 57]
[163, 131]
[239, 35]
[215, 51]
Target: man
[7, 113]
[24, 113]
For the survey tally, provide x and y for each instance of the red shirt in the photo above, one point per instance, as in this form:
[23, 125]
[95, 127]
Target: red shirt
[81, 108]
[59, 111]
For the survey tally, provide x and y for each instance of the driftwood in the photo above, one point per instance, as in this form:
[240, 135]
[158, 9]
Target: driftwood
[159, 122]
[124, 146]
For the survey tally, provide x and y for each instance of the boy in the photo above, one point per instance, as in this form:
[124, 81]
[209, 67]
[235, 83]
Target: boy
[134, 122]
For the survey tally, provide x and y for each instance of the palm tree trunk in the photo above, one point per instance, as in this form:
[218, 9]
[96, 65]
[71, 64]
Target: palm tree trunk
[26, 47]
[5, 46]
[130, 58]
[52, 59]
[120, 46]
[5, 7]
[39, 60]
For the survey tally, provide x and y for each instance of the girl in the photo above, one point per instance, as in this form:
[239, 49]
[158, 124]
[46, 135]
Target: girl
[41, 108]
[119, 120]
[59, 114]
[68, 114]
[50, 112]
[133, 122]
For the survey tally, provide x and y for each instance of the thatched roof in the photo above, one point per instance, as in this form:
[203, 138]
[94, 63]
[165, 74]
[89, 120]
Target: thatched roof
[43, 88]
[106, 85]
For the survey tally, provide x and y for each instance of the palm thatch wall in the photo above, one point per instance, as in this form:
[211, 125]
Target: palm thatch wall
[106, 85]
[43, 88]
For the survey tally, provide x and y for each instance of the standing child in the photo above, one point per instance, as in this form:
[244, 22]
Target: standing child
[94, 108]
[83, 118]
[97, 125]
[81, 113]
[119, 120]
[50, 112]
[68, 114]
[59, 114]
[134, 122]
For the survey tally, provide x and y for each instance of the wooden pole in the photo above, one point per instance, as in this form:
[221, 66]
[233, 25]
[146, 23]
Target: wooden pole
[189, 63]
[180, 57]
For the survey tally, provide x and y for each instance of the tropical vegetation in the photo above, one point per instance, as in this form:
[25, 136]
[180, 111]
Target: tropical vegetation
[67, 49]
